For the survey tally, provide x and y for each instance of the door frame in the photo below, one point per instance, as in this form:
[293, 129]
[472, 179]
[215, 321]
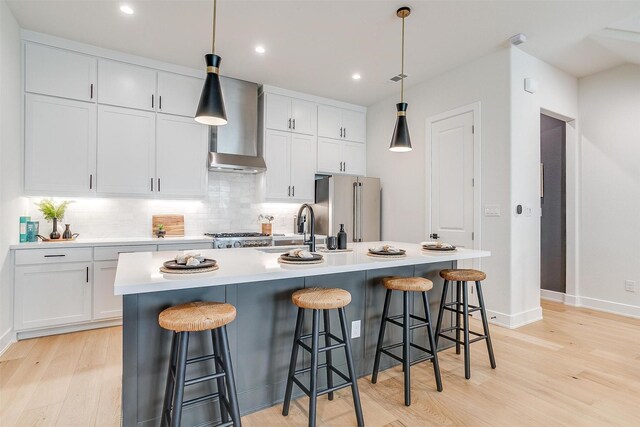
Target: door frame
[475, 109]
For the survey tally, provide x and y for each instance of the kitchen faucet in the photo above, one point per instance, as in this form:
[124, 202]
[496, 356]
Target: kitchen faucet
[312, 229]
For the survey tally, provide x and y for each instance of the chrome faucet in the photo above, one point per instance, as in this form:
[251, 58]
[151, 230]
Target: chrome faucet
[312, 228]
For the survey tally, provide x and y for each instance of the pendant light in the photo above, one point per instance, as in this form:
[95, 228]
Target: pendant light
[211, 109]
[401, 141]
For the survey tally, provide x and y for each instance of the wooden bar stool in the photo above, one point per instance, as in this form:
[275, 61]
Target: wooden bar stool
[407, 285]
[464, 309]
[321, 299]
[197, 317]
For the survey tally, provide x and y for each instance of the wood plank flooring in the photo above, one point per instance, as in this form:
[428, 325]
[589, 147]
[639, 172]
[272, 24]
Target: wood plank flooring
[576, 367]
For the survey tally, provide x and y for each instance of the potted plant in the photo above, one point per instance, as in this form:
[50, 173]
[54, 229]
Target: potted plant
[161, 232]
[53, 212]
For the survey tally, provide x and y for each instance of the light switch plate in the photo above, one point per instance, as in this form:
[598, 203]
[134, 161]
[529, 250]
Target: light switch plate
[629, 285]
[355, 329]
[492, 210]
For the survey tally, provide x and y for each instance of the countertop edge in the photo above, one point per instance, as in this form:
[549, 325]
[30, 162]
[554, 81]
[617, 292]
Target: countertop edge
[99, 242]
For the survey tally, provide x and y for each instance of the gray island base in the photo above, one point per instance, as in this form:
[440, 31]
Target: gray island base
[261, 337]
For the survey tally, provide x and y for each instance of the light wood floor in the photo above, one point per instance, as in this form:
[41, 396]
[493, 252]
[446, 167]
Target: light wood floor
[576, 367]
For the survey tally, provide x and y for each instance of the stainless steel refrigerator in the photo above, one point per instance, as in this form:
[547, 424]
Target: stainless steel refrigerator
[350, 200]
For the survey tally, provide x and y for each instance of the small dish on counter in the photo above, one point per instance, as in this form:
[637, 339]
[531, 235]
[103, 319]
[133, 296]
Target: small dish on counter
[437, 247]
[300, 256]
[386, 251]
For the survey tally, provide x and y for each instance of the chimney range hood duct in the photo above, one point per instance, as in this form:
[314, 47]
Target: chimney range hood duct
[234, 146]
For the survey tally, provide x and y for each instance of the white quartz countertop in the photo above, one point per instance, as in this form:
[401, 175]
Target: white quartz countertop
[82, 242]
[139, 272]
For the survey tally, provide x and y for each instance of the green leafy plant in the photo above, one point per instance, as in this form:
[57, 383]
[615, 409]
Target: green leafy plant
[51, 210]
[160, 227]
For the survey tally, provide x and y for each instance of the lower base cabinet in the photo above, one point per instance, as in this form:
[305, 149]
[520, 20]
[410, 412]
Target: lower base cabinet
[106, 305]
[52, 294]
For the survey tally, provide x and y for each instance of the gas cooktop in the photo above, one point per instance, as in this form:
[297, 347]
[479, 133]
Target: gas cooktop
[239, 240]
[232, 235]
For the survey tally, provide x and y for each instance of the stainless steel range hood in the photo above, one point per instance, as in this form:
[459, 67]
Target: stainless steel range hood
[234, 146]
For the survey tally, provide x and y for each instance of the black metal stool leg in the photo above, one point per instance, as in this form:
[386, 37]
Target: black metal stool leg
[432, 342]
[181, 369]
[465, 314]
[485, 325]
[225, 355]
[168, 391]
[292, 363]
[383, 325]
[352, 372]
[406, 348]
[443, 301]
[327, 342]
[458, 304]
[217, 351]
[313, 383]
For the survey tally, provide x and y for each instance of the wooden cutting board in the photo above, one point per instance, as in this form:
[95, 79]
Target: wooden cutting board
[173, 224]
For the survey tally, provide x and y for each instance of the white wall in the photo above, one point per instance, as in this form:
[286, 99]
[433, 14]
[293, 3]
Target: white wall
[557, 93]
[609, 105]
[11, 204]
[405, 176]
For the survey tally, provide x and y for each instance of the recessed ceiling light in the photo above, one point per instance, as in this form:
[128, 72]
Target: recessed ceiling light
[356, 76]
[260, 49]
[126, 9]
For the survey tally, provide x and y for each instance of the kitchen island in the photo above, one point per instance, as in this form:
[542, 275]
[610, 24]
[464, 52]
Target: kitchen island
[261, 336]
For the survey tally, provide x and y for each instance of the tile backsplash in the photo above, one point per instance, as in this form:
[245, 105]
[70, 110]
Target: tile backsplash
[231, 204]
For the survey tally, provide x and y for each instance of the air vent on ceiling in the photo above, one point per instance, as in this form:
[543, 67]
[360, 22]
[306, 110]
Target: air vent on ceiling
[399, 77]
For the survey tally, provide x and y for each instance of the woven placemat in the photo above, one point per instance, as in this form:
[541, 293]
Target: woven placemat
[387, 256]
[194, 271]
[433, 251]
[335, 250]
[283, 261]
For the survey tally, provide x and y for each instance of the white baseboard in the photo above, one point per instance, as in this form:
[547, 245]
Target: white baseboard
[513, 321]
[552, 295]
[8, 338]
[592, 303]
[67, 329]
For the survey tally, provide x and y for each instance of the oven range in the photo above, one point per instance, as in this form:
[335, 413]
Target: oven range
[239, 240]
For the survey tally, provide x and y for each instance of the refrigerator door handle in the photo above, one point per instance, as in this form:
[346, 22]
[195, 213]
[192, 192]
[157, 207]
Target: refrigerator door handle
[355, 211]
[360, 219]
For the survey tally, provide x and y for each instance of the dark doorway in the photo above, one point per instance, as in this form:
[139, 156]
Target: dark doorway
[553, 266]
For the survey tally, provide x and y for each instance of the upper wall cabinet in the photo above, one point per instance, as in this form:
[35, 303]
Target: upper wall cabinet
[178, 94]
[290, 114]
[126, 85]
[58, 72]
[60, 141]
[342, 124]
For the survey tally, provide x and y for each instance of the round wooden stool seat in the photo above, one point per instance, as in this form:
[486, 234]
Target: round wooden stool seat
[411, 284]
[321, 298]
[463, 275]
[197, 316]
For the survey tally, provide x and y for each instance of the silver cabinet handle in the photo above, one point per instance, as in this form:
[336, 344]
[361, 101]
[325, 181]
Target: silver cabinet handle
[160, 102]
[151, 184]
[151, 100]
[294, 123]
[54, 256]
[91, 90]
[345, 132]
[340, 132]
[158, 185]
[87, 274]
[90, 181]
[345, 167]
[293, 189]
[289, 191]
[289, 123]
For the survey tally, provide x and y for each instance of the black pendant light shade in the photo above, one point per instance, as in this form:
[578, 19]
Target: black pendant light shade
[401, 141]
[211, 109]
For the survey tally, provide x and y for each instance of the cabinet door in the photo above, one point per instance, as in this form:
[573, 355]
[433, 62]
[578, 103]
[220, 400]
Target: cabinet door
[181, 157]
[354, 156]
[126, 159]
[106, 305]
[304, 117]
[58, 72]
[303, 167]
[53, 294]
[329, 122]
[178, 94]
[278, 112]
[329, 155]
[354, 124]
[278, 159]
[60, 144]
[126, 85]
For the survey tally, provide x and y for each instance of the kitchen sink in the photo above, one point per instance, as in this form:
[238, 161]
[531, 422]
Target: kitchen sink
[283, 249]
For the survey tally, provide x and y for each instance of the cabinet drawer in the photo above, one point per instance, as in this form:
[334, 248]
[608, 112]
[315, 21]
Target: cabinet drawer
[185, 246]
[110, 253]
[53, 255]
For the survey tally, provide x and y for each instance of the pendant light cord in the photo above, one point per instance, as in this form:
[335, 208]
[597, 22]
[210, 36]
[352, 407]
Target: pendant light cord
[213, 41]
[402, 66]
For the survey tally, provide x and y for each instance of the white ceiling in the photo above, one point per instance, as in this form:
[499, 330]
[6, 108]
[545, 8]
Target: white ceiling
[315, 46]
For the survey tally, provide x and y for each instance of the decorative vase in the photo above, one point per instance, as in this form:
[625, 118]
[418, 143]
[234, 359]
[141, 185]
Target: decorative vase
[54, 233]
[67, 232]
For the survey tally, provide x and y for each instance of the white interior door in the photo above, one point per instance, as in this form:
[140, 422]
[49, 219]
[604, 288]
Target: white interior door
[452, 172]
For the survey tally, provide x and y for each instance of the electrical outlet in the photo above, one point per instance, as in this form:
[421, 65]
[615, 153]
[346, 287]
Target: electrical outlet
[527, 211]
[629, 285]
[355, 329]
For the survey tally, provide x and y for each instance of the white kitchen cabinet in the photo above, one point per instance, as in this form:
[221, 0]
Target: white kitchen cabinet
[59, 72]
[181, 153]
[185, 247]
[178, 94]
[60, 146]
[126, 85]
[343, 124]
[289, 114]
[52, 294]
[290, 166]
[126, 157]
[106, 305]
[341, 157]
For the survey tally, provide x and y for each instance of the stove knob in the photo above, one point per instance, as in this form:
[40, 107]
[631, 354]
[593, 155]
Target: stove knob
[237, 244]
[221, 245]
